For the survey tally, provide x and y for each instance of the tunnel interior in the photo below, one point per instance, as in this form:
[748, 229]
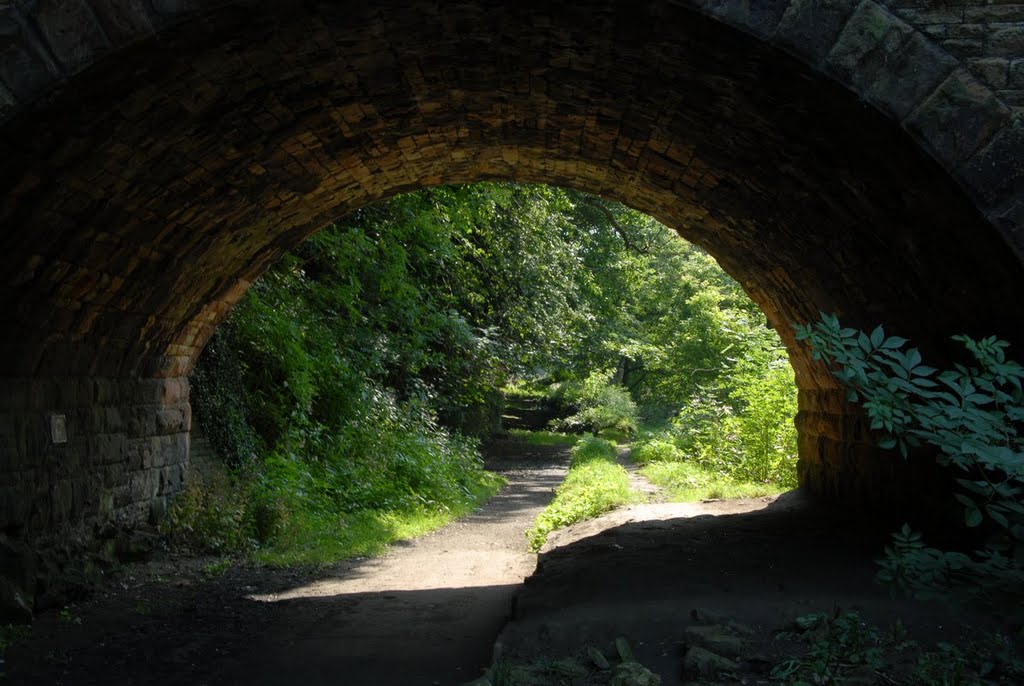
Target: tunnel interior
[140, 199]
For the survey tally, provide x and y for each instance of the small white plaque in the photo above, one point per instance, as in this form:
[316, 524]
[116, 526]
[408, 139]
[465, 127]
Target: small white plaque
[59, 428]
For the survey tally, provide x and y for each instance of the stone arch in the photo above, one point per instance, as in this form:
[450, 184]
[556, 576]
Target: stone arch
[157, 156]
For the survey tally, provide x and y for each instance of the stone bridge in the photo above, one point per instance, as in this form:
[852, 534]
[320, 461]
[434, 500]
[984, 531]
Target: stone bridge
[864, 158]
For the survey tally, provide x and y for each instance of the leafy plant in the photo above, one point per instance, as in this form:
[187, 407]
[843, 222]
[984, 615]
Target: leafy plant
[599, 404]
[972, 416]
[838, 645]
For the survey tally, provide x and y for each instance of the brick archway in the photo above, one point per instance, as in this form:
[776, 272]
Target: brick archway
[156, 161]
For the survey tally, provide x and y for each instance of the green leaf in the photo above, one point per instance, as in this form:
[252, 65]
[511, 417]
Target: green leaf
[877, 337]
[972, 517]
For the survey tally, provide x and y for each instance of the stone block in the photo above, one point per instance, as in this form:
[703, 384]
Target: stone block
[931, 14]
[170, 420]
[62, 503]
[994, 71]
[1009, 218]
[958, 118]
[71, 31]
[995, 13]
[865, 45]
[1011, 98]
[109, 448]
[908, 76]
[809, 28]
[1006, 42]
[173, 390]
[964, 48]
[112, 421]
[124, 21]
[760, 18]
[25, 69]
[1015, 78]
[995, 174]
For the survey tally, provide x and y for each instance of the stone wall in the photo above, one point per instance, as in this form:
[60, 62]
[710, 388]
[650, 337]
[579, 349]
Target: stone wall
[85, 461]
[985, 36]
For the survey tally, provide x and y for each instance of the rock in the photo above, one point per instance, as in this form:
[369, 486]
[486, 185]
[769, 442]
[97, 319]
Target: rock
[708, 616]
[702, 662]
[720, 639]
[634, 674]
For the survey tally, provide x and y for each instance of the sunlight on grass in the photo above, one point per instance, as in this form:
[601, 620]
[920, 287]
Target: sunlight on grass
[320, 540]
[594, 485]
[544, 437]
[686, 482]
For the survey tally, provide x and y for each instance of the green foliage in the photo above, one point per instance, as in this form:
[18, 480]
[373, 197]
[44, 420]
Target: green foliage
[592, 448]
[749, 435]
[839, 645]
[976, 663]
[656, 450]
[688, 482]
[339, 388]
[598, 405]
[841, 648]
[544, 437]
[593, 485]
[973, 417]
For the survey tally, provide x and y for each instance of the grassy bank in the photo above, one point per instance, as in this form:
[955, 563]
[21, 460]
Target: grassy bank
[593, 485]
[321, 540]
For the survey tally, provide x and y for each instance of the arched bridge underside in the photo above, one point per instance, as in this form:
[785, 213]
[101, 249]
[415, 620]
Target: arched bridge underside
[157, 156]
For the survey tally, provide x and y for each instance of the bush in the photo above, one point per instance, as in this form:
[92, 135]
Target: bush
[656, 450]
[597, 405]
[750, 435]
[973, 416]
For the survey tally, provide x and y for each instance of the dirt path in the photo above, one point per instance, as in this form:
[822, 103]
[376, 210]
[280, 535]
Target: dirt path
[426, 612]
[429, 611]
[637, 481]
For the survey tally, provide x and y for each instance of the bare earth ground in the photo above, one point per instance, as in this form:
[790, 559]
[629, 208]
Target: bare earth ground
[429, 611]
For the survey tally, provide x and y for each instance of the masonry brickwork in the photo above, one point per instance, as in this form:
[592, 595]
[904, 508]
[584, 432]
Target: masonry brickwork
[157, 155]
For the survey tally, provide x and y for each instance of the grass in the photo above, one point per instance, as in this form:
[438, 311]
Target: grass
[594, 485]
[544, 437]
[687, 482]
[525, 391]
[318, 540]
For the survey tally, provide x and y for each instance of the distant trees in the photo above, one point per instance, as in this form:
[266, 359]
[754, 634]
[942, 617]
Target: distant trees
[396, 327]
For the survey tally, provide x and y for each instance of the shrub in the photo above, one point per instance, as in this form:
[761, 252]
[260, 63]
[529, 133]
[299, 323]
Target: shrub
[973, 416]
[656, 450]
[598, 404]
